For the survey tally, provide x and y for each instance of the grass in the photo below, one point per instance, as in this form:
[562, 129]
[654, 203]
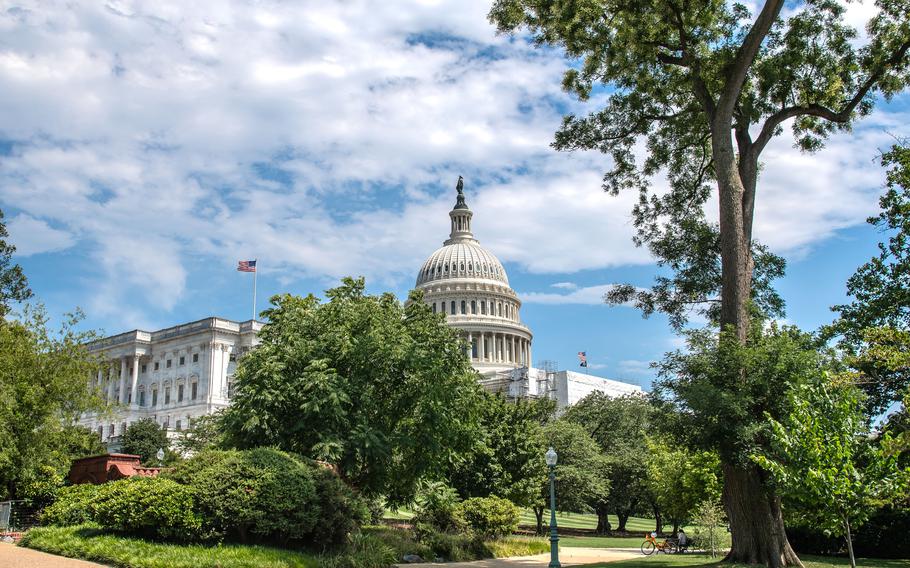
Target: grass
[374, 547]
[92, 544]
[601, 541]
[703, 561]
[586, 521]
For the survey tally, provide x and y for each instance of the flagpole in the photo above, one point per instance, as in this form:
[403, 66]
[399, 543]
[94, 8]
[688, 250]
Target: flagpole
[255, 276]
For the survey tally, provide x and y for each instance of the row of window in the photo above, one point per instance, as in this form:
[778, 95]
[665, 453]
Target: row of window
[169, 362]
[194, 393]
[506, 310]
[443, 268]
[166, 424]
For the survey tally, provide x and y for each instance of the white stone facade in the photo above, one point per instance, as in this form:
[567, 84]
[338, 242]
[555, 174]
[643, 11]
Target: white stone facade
[172, 375]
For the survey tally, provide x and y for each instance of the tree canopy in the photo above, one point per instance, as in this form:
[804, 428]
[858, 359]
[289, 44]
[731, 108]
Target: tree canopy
[144, 438]
[383, 391]
[13, 284]
[706, 85]
[44, 377]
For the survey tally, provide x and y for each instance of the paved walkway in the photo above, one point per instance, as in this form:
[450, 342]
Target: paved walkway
[12, 556]
[567, 557]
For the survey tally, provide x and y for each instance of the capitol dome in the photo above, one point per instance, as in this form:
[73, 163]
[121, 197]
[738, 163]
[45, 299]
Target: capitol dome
[467, 282]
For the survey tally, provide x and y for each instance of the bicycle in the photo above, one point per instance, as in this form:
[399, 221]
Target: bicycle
[650, 545]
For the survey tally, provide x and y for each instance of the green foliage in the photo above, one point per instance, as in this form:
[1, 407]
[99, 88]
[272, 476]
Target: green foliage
[679, 479]
[619, 425]
[724, 389]
[341, 510]
[144, 438]
[206, 432]
[506, 458]
[13, 284]
[72, 506]
[261, 493]
[43, 378]
[437, 509]
[490, 517]
[875, 325]
[821, 457]
[710, 533]
[582, 475]
[147, 506]
[383, 391]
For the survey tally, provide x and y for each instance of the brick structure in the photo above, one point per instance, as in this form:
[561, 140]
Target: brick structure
[108, 467]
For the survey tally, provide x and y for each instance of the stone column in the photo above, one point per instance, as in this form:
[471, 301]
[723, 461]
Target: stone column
[110, 382]
[123, 391]
[512, 357]
[471, 346]
[529, 354]
[134, 382]
[481, 347]
[100, 384]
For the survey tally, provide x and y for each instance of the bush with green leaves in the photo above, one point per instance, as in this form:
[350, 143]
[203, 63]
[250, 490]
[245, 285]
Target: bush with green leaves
[341, 510]
[147, 506]
[710, 533]
[490, 517]
[260, 494]
[437, 510]
[72, 506]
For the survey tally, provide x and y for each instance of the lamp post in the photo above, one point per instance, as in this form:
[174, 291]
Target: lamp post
[554, 538]
[160, 455]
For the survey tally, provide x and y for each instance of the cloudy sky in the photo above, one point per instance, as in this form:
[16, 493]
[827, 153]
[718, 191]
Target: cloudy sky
[145, 147]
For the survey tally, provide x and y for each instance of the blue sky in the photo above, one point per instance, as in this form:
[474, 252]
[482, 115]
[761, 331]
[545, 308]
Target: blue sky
[146, 147]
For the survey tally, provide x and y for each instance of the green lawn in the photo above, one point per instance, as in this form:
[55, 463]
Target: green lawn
[699, 560]
[585, 521]
[374, 547]
[601, 541]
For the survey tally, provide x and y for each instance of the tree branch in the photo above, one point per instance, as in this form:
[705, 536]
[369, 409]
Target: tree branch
[842, 115]
[745, 55]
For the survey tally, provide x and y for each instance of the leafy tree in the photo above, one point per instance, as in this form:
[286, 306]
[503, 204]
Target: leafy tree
[507, 455]
[876, 324]
[205, 433]
[680, 479]
[43, 378]
[383, 391]
[821, 457]
[13, 284]
[619, 426]
[144, 438]
[707, 86]
[582, 471]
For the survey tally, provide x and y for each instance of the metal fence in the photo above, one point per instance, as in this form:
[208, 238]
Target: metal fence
[17, 515]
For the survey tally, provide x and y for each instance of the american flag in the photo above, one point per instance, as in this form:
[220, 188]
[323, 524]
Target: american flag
[246, 266]
[583, 359]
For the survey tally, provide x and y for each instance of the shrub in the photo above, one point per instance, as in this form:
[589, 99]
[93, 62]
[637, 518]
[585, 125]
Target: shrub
[340, 509]
[365, 551]
[149, 507]
[709, 534]
[490, 517]
[72, 507]
[262, 493]
[437, 510]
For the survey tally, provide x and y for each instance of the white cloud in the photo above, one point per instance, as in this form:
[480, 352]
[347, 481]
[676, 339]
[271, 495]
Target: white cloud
[564, 285]
[591, 295]
[635, 368]
[34, 236]
[324, 139]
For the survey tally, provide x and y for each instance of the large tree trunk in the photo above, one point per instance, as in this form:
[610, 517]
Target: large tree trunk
[658, 520]
[538, 512]
[755, 520]
[622, 516]
[603, 520]
[753, 509]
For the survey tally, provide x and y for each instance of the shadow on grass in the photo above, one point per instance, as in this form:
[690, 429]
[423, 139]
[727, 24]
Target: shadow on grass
[704, 561]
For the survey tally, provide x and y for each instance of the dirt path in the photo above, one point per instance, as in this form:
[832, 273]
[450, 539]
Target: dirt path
[12, 556]
[567, 557]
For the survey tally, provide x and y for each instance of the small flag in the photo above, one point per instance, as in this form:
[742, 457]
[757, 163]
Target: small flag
[583, 359]
[246, 266]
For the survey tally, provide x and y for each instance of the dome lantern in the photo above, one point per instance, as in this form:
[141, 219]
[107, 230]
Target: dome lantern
[460, 216]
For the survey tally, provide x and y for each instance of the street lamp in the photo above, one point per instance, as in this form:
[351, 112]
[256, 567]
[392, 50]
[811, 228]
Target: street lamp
[160, 456]
[554, 538]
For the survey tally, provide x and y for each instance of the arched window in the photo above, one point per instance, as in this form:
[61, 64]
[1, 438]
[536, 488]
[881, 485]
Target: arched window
[167, 393]
[154, 395]
[462, 267]
[110, 430]
[447, 267]
[470, 267]
[101, 432]
[141, 396]
[483, 307]
[194, 389]
[464, 307]
[453, 307]
[500, 309]
[434, 307]
[473, 306]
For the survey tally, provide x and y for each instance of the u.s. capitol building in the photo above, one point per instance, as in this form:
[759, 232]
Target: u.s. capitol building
[176, 374]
